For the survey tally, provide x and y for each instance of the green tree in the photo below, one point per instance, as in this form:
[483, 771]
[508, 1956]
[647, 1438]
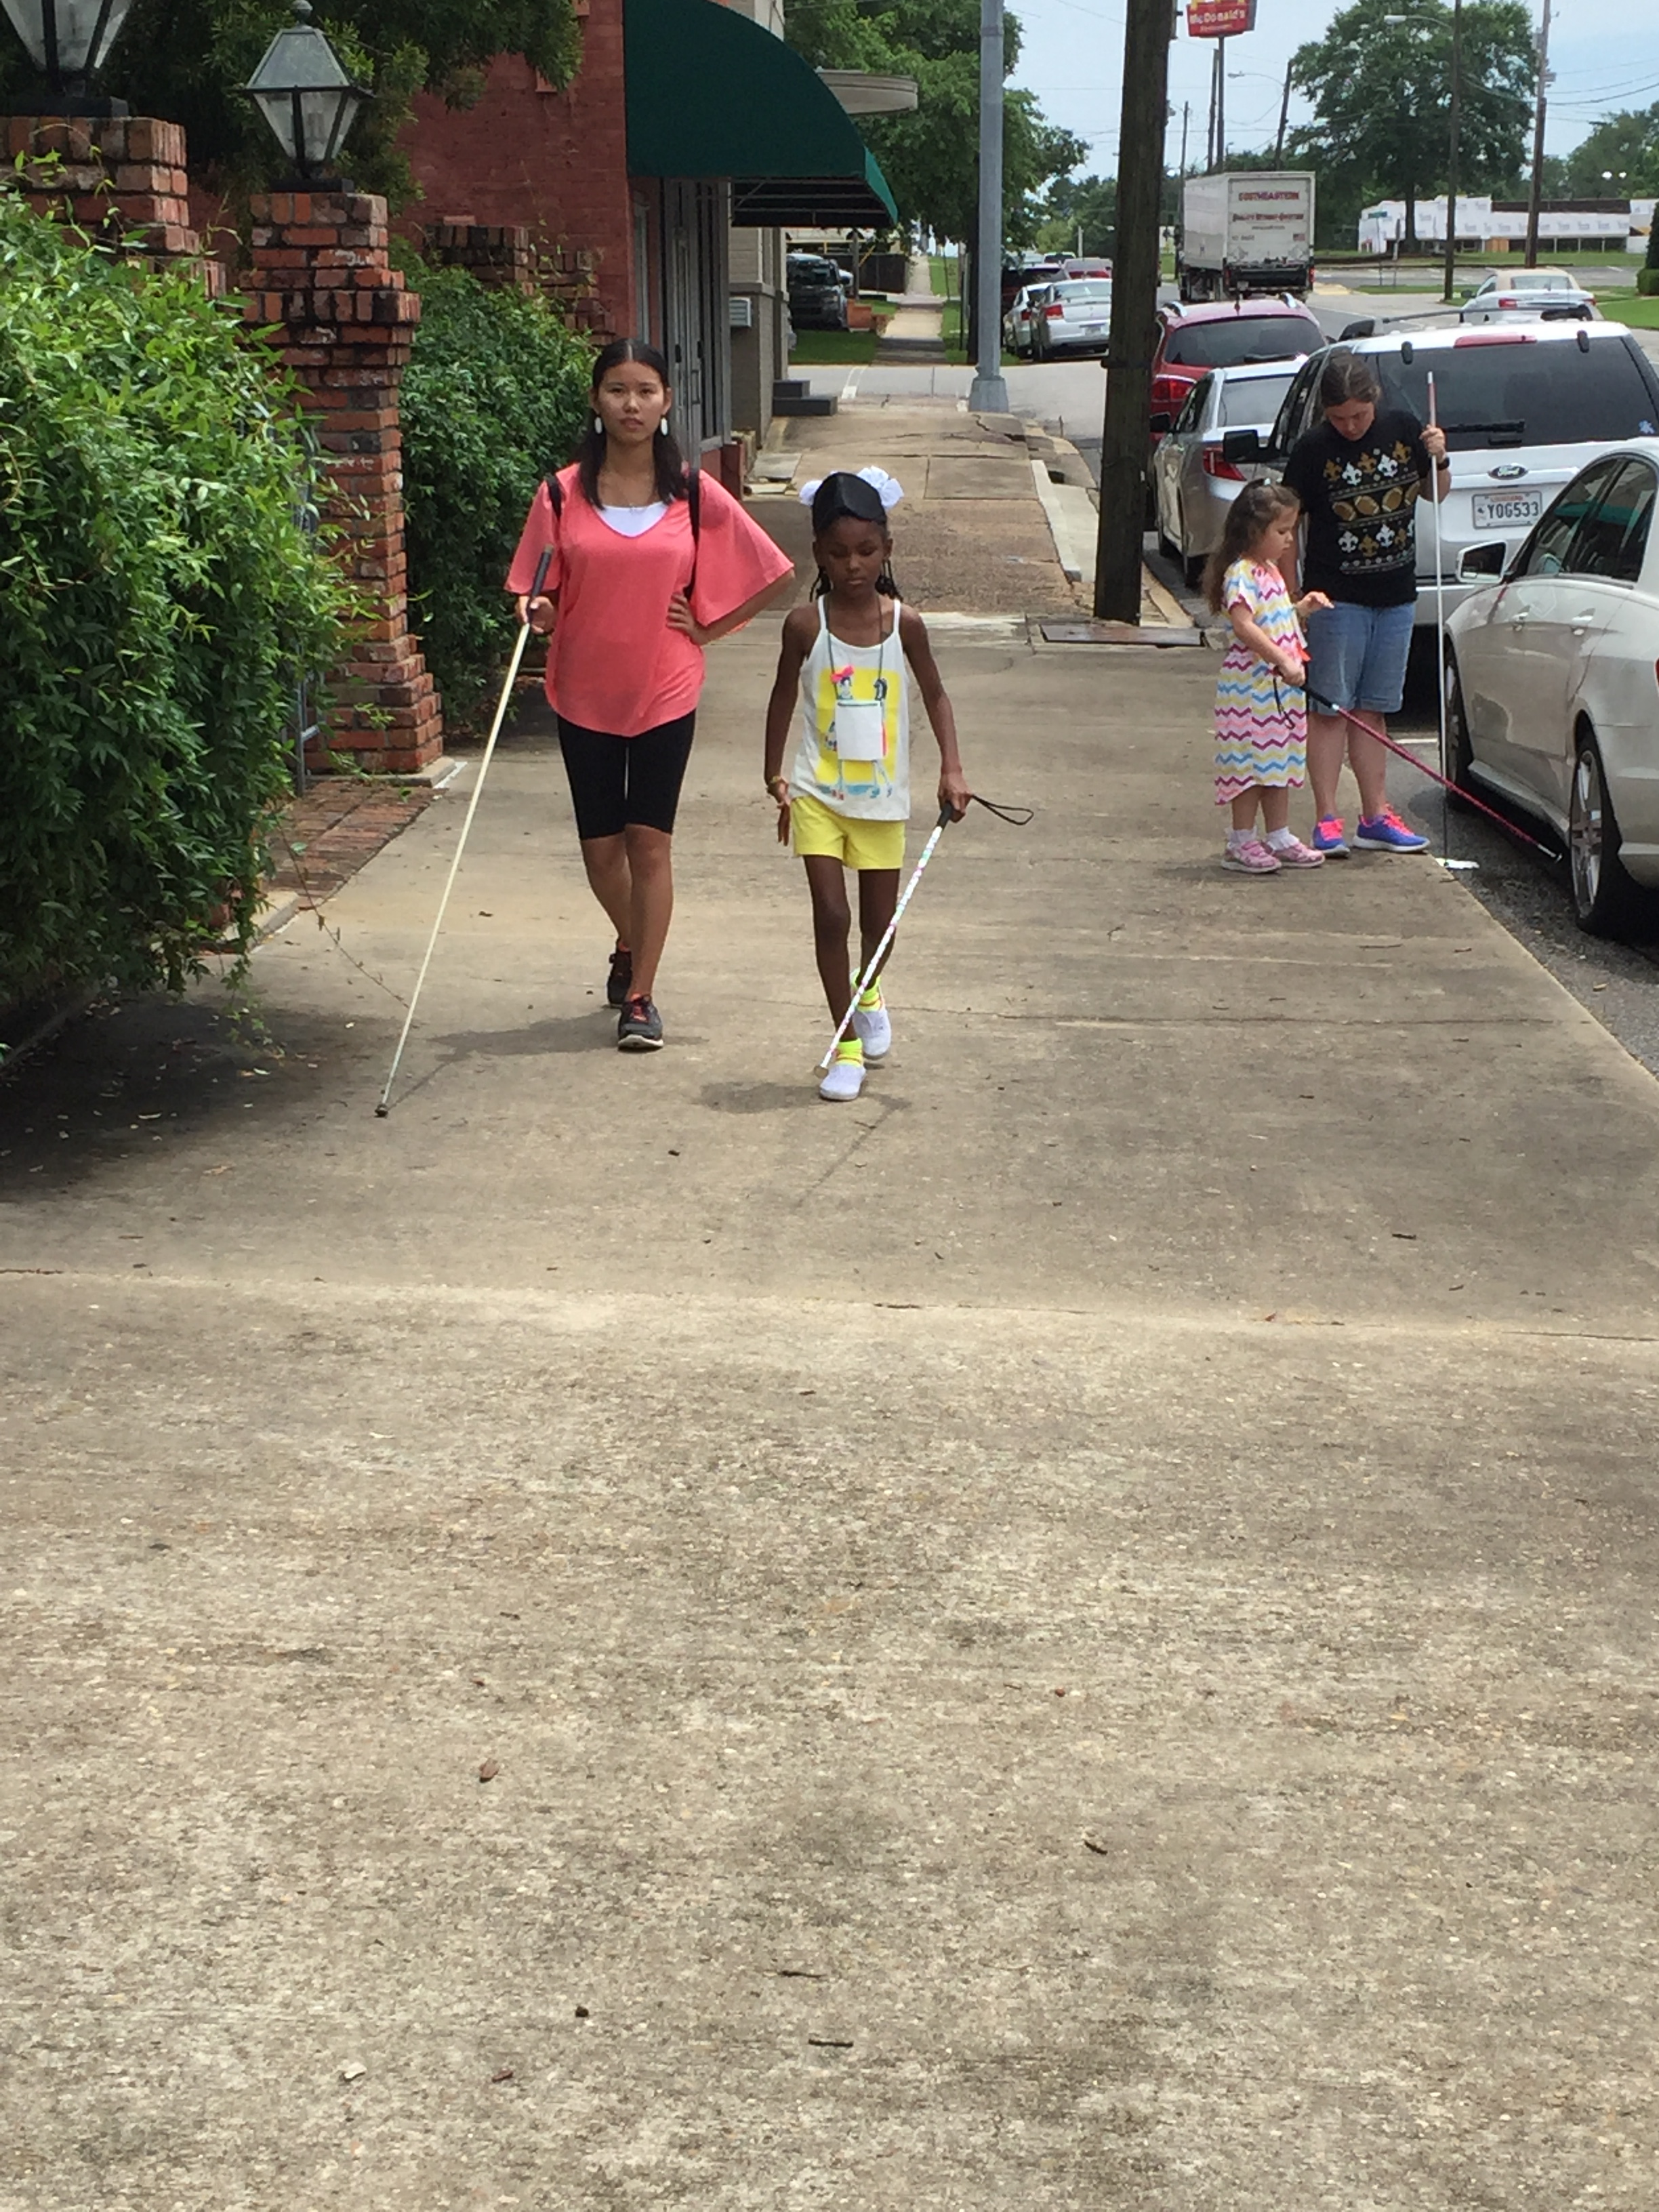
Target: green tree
[931, 158]
[1079, 205]
[1619, 159]
[159, 598]
[1382, 91]
[184, 59]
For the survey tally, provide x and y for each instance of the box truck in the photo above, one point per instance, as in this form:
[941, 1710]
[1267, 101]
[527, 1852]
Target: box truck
[1250, 230]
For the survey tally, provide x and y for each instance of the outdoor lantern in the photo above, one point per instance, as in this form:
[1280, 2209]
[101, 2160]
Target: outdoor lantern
[305, 96]
[68, 41]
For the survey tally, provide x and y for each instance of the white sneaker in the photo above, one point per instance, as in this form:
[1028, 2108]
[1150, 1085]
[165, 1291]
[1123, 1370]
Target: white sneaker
[872, 1030]
[844, 1080]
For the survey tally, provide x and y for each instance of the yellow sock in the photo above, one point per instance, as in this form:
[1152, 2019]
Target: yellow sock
[850, 1048]
[871, 999]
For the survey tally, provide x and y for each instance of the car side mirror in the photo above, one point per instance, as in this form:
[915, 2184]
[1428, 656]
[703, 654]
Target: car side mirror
[1479, 563]
[1162, 425]
[1364, 328]
[1241, 446]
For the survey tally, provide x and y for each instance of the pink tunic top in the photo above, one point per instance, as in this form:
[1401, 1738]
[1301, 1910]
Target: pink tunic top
[614, 664]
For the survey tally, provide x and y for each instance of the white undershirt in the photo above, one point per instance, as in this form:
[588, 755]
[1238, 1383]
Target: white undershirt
[634, 521]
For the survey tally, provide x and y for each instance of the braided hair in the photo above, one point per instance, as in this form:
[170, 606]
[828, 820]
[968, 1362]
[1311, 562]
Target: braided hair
[843, 494]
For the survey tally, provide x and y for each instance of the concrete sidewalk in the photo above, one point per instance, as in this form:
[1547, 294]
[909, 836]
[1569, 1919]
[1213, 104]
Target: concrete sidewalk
[1077, 1632]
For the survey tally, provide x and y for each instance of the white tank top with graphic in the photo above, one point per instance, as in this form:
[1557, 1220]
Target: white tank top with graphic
[853, 752]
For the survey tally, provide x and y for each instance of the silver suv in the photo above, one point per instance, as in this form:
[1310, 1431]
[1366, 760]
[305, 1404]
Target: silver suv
[1523, 405]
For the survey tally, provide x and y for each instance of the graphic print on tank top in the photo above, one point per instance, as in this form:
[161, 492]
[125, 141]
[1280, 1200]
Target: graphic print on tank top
[853, 747]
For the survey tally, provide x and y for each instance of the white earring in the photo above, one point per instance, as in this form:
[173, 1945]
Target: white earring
[662, 427]
[599, 424]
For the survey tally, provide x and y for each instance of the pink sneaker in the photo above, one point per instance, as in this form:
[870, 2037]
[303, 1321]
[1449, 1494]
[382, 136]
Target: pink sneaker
[1252, 858]
[1296, 854]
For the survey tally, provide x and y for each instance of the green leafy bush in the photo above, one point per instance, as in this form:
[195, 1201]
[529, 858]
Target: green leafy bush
[157, 595]
[493, 398]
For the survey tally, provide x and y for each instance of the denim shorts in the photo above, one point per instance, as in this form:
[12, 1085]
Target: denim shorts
[1357, 657]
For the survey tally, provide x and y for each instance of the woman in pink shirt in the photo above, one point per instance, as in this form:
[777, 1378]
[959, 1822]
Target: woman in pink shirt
[647, 569]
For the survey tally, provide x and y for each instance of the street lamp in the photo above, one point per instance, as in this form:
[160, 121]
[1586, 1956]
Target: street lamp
[68, 41]
[302, 90]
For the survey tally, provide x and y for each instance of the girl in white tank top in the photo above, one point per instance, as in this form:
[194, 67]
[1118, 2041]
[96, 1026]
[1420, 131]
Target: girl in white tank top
[841, 683]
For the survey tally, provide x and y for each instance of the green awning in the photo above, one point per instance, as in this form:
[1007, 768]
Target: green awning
[710, 94]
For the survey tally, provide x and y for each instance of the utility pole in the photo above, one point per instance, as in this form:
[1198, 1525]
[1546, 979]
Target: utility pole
[1210, 162]
[1284, 112]
[1451, 158]
[1221, 103]
[989, 393]
[1125, 436]
[1535, 194]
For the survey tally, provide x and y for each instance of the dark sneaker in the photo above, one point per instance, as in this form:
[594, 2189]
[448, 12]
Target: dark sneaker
[622, 974]
[639, 1029]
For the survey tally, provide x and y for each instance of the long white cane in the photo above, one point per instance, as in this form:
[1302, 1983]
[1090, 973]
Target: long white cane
[383, 1109]
[1439, 602]
[872, 965]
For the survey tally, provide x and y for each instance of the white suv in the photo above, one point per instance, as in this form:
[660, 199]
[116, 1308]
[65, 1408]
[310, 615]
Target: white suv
[1523, 405]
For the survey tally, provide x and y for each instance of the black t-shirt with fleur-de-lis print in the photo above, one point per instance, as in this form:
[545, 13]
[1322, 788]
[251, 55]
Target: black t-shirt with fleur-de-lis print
[1359, 500]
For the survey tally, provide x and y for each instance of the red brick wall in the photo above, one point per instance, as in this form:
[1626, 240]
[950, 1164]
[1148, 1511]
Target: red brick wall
[556, 161]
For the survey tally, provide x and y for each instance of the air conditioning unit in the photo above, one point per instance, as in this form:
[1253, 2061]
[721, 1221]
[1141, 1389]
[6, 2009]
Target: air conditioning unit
[743, 311]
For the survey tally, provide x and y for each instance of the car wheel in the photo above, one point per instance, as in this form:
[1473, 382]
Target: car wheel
[1193, 566]
[1457, 761]
[1603, 895]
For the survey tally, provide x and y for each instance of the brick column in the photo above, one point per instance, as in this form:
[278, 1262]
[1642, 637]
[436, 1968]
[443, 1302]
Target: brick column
[499, 255]
[121, 179]
[320, 273]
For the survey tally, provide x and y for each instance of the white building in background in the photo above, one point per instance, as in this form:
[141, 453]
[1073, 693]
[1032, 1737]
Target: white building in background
[1490, 226]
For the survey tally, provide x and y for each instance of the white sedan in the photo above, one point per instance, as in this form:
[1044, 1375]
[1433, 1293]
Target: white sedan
[1529, 293]
[1071, 316]
[1017, 323]
[1552, 684]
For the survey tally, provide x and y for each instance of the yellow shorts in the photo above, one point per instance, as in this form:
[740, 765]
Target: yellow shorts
[816, 828]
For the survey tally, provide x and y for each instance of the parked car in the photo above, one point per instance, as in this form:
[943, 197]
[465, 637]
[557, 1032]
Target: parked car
[1521, 294]
[1553, 699]
[1095, 267]
[1524, 406]
[1017, 323]
[1072, 317]
[817, 297]
[1031, 272]
[1194, 483]
[1194, 339]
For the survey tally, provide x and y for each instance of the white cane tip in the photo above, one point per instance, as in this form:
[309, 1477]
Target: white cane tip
[380, 1113]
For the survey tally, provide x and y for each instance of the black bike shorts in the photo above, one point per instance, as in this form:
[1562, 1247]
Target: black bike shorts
[616, 781]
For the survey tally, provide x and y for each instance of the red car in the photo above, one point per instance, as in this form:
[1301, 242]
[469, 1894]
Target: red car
[1195, 340]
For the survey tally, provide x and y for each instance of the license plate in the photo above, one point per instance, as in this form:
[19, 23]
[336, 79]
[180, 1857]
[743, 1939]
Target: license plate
[1503, 510]
[1094, 330]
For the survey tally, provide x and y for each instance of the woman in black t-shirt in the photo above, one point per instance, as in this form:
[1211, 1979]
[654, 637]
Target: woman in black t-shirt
[1358, 477]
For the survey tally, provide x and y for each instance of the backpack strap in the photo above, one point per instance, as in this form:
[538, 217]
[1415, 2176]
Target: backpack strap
[554, 493]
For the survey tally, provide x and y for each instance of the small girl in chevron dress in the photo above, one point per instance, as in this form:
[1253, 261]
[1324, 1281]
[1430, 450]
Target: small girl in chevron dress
[1261, 707]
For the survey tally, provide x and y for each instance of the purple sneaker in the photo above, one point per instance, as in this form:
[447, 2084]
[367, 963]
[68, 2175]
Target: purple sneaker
[1327, 836]
[1389, 834]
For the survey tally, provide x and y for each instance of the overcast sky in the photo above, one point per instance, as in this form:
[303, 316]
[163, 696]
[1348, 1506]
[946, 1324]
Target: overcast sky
[1073, 49]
